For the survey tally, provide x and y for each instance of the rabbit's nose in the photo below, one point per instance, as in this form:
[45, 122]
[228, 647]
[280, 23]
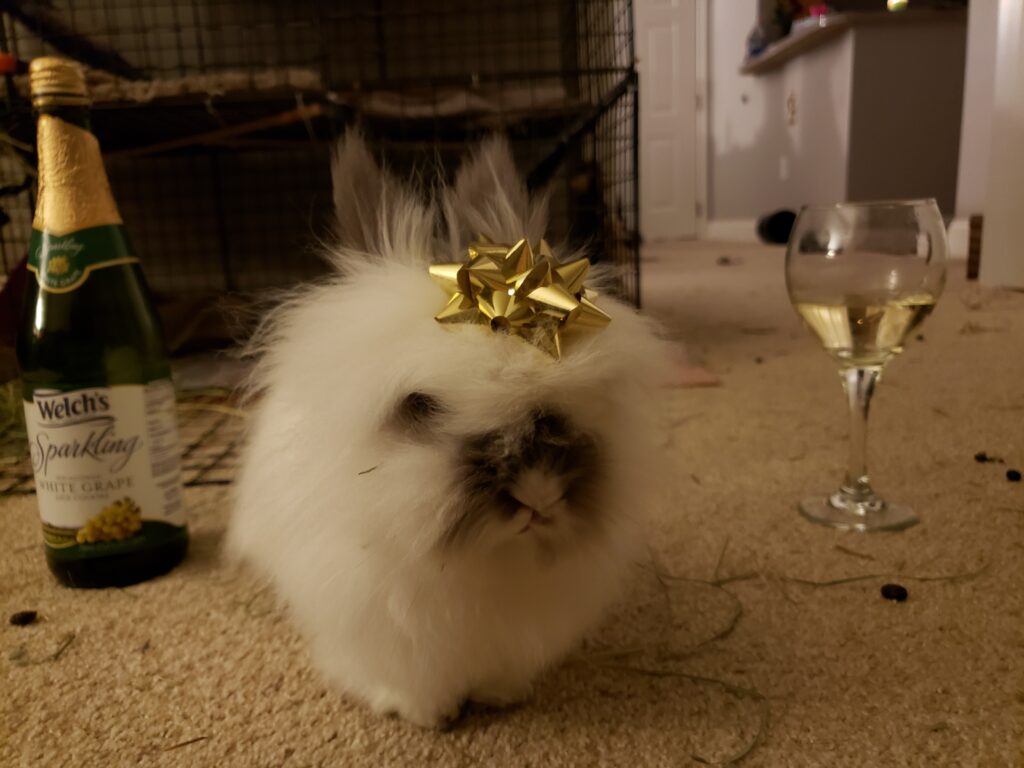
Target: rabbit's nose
[539, 490]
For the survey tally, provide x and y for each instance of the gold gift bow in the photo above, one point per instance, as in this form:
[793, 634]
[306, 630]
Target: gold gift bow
[515, 292]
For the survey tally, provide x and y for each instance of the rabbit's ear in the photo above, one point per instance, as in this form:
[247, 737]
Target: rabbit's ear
[359, 192]
[375, 214]
[489, 198]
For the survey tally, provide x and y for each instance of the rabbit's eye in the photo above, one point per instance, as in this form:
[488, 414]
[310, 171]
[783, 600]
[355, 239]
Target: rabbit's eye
[417, 410]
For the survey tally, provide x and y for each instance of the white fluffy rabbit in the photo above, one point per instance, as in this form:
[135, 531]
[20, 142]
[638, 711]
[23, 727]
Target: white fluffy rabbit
[445, 510]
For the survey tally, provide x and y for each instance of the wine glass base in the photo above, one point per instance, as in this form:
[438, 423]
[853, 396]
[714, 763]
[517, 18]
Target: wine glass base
[853, 517]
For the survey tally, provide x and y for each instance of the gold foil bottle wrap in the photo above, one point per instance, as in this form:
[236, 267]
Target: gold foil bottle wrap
[74, 192]
[56, 81]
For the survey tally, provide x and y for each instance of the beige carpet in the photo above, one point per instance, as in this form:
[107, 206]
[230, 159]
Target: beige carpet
[199, 669]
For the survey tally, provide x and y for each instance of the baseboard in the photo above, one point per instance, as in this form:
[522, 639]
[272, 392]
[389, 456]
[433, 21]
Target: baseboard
[959, 236]
[732, 230]
[745, 231]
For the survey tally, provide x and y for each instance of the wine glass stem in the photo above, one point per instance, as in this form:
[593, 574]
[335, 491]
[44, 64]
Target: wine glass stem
[859, 384]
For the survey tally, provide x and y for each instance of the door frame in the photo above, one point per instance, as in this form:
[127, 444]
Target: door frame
[700, 149]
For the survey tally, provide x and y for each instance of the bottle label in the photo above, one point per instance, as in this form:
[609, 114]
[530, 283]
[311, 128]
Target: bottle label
[107, 466]
[61, 263]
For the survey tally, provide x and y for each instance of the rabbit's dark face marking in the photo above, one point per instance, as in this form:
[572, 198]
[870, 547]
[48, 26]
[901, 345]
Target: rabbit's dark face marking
[536, 478]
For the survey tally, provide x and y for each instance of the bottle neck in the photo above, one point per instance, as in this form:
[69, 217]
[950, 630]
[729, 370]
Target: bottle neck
[77, 115]
[74, 193]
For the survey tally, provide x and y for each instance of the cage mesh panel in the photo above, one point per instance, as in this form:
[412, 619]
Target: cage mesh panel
[425, 80]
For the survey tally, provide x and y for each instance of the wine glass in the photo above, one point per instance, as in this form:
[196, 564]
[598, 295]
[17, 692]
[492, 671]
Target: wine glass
[863, 276]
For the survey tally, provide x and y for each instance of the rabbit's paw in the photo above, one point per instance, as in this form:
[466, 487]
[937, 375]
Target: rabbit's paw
[440, 714]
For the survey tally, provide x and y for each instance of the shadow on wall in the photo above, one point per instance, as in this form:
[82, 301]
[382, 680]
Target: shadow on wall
[783, 166]
[853, 119]
[797, 152]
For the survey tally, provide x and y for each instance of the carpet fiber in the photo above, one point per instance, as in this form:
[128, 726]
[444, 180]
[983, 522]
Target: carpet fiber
[753, 636]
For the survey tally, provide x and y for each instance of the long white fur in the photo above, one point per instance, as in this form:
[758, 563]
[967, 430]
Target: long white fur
[344, 517]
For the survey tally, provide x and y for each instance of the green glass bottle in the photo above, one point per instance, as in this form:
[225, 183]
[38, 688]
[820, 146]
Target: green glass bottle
[99, 403]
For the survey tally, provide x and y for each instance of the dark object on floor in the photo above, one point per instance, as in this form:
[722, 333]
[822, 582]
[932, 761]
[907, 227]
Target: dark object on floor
[894, 592]
[1013, 475]
[775, 227]
[983, 458]
[726, 261]
[23, 618]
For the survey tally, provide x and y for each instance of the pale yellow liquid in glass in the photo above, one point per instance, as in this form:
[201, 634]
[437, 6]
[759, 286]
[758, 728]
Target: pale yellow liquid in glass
[863, 332]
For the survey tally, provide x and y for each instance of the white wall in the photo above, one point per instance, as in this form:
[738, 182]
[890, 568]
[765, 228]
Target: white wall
[737, 107]
[1002, 260]
[818, 87]
[976, 125]
[747, 132]
[761, 158]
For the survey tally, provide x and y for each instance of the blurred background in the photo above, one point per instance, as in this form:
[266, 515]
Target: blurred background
[646, 120]
[650, 121]
[216, 118]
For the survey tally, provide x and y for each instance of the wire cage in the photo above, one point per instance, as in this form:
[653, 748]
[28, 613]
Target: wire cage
[217, 118]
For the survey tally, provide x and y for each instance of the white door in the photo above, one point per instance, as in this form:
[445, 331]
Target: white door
[666, 46]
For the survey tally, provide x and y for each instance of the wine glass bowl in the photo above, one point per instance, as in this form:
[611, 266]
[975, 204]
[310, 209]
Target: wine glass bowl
[863, 276]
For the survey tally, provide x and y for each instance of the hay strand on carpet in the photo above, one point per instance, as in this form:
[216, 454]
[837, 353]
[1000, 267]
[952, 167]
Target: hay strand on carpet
[952, 578]
[721, 557]
[739, 691]
[18, 656]
[664, 653]
[66, 642]
[853, 552]
[738, 577]
[185, 743]
[663, 650]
